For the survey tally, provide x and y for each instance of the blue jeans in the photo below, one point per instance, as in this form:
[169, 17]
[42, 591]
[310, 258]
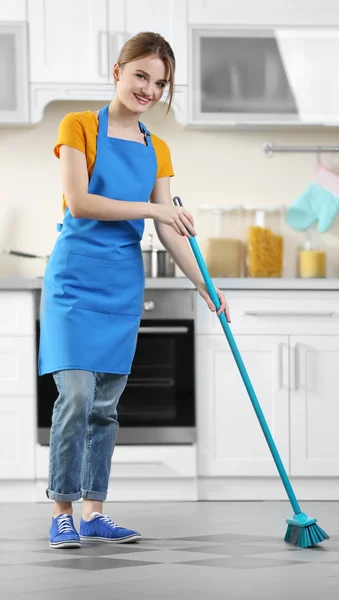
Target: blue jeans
[83, 434]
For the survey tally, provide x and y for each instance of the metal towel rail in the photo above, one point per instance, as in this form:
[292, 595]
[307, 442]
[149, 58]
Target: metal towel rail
[270, 149]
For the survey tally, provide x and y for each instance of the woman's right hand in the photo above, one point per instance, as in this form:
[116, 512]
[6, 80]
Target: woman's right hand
[176, 217]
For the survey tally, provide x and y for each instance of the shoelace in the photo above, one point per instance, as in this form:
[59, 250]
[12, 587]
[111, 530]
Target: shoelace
[108, 520]
[64, 524]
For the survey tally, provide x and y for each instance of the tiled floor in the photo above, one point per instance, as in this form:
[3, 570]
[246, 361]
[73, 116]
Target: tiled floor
[203, 550]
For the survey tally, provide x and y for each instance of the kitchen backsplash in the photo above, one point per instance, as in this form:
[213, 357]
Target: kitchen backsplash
[211, 166]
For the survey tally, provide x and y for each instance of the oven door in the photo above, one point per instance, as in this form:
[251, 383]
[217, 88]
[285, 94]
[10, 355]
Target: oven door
[158, 403]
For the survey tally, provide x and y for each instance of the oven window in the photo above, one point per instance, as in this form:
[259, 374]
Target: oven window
[160, 388]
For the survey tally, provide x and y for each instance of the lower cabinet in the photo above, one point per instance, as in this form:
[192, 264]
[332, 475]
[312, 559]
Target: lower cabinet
[230, 439]
[17, 386]
[314, 405]
[296, 380]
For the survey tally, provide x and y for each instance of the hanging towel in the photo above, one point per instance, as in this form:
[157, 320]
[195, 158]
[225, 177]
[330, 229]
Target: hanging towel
[320, 202]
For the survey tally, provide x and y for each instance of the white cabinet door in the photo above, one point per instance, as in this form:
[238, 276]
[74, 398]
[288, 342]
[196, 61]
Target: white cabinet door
[13, 73]
[17, 437]
[230, 438]
[18, 424]
[17, 366]
[13, 10]
[314, 405]
[167, 17]
[68, 41]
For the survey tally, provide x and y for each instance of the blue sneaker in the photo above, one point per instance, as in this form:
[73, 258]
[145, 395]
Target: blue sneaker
[63, 533]
[100, 528]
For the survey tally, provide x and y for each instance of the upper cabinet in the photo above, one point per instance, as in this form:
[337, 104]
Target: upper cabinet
[68, 41]
[14, 102]
[73, 45]
[78, 42]
[263, 76]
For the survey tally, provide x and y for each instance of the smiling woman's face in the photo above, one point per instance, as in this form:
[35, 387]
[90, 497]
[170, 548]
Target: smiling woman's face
[140, 83]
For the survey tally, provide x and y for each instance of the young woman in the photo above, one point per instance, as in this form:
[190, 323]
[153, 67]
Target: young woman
[92, 298]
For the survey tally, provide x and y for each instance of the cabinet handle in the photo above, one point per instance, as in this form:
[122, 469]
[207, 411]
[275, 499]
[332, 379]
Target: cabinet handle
[279, 370]
[280, 367]
[116, 42]
[281, 313]
[296, 367]
[103, 54]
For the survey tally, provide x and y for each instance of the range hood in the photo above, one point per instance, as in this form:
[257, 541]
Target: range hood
[310, 58]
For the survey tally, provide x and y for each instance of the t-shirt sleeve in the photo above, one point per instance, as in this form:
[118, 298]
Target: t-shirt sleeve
[71, 133]
[165, 168]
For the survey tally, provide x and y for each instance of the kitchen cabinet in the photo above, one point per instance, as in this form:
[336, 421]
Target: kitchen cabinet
[231, 442]
[79, 42]
[263, 12]
[314, 408]
[263, 75]
[14, 107]
[74, 46]
[68, 41]
[17, 386]
[290, 343]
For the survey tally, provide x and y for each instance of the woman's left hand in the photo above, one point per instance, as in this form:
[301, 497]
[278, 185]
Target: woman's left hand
[223, 304]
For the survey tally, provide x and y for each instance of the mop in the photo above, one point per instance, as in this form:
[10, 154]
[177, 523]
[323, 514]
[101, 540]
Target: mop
[302, 530]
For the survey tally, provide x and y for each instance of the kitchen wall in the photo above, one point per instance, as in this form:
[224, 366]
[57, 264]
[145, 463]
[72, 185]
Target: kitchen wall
[216, 166]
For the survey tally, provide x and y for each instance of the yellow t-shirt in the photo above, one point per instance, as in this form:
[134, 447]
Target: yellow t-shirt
[80, 129]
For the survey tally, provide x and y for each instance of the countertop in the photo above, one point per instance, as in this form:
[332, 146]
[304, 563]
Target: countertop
[34, 283]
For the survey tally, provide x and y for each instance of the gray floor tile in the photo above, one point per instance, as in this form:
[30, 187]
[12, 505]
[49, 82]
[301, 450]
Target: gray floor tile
[242, 562]
[238, 549]
[176, 556]
[93, 563]
[228, 538]
[99, 549]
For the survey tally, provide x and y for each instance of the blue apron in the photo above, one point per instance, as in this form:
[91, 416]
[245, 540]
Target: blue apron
[93, 289]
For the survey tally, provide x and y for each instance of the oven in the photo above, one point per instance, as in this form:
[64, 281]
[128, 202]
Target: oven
[158, 403]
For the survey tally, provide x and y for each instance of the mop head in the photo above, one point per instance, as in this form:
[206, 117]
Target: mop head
[304, 532]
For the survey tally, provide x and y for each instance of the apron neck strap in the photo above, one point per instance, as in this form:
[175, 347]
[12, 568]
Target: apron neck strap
[103, 121]
[146, 133]
[103, 126]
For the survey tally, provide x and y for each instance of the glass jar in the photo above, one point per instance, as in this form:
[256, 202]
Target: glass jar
[312, 256]
[265, 243]
[225, 249]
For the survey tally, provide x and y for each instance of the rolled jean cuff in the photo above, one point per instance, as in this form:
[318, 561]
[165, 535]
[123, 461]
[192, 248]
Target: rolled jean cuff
[90, 495]
[62, 497]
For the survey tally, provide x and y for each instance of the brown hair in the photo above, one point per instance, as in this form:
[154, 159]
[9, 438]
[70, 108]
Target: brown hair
[144, 44]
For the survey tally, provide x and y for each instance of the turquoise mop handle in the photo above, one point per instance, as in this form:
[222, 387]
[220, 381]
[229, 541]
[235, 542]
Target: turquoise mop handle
[222, 317]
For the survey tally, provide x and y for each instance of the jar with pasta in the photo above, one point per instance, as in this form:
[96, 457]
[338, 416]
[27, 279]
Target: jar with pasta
[265, 243]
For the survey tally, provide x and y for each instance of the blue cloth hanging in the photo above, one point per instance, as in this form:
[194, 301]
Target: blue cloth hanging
[319, 202]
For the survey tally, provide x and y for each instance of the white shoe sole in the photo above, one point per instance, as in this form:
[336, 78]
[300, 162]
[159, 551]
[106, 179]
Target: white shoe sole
[65, 545]
[131, 538]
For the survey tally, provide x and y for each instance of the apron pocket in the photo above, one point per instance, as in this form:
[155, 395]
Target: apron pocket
[128, 295]
[89, 282]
